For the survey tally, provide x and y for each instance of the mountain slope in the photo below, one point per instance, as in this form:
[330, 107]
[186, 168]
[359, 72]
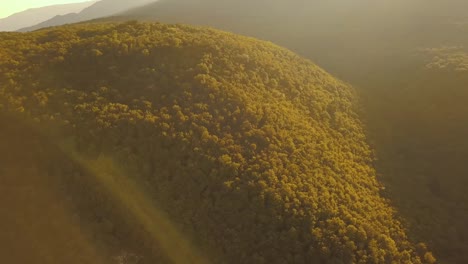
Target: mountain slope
[416, 115]
[34, 16]
[255, 154]
[102, 8]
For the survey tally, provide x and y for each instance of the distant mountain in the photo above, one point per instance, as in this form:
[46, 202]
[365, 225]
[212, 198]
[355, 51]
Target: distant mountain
[99, 9]
[34, 16]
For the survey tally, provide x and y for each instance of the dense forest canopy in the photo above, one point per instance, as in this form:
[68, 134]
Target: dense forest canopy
[407, 60]
[254, 154]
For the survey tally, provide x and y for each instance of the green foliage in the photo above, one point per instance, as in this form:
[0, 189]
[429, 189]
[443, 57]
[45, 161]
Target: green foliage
[257, 155]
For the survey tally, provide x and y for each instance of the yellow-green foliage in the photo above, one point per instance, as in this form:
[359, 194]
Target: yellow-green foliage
[257, 155]
[449, 59]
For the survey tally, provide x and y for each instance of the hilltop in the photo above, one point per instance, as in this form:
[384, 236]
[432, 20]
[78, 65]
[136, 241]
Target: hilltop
[255, 154]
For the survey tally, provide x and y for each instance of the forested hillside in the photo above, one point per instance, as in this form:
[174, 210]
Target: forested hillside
[406, 59]
[247, 152]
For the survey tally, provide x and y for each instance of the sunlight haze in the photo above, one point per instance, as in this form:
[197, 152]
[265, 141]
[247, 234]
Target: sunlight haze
[11, 7]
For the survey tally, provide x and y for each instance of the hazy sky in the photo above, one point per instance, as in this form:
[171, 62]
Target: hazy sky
[9, 7]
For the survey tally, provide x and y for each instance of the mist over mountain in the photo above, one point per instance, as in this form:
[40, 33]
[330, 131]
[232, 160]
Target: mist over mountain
[34, 16]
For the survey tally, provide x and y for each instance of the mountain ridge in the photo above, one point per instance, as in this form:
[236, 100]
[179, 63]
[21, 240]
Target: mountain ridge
[34, 16]
[99, 9]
